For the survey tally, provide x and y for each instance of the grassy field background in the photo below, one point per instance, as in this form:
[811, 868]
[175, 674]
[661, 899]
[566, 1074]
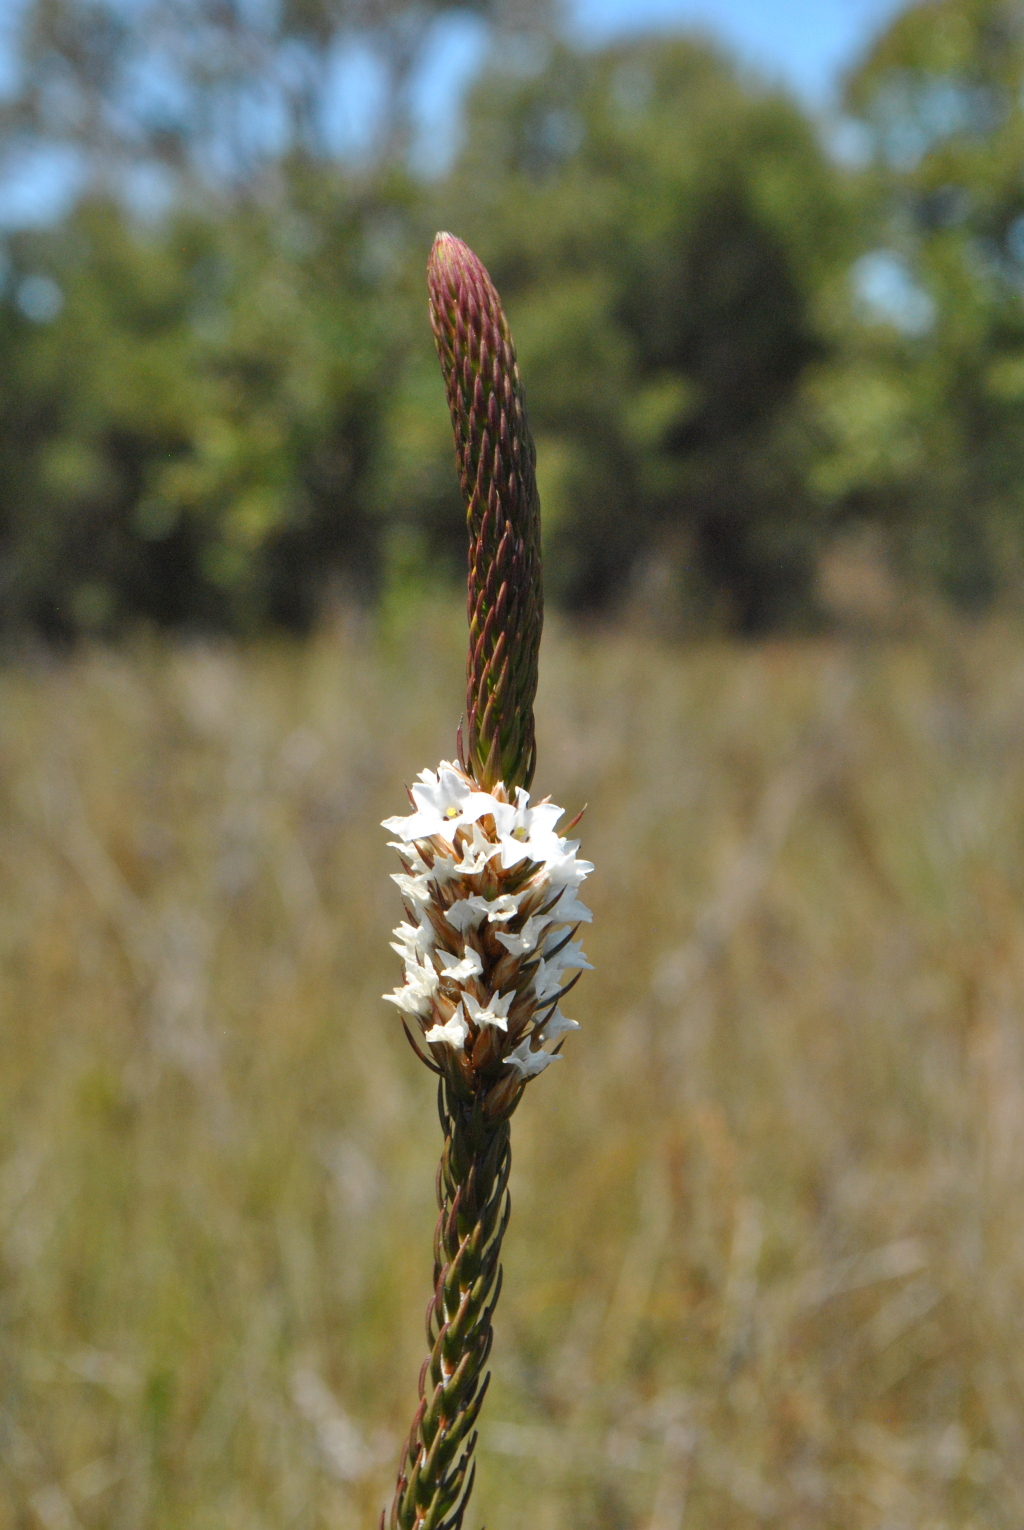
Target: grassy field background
[766, 1261]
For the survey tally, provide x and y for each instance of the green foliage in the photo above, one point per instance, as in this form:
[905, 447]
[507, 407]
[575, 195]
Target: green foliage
[665, 235]
[192, 437]
[731, 344]
[940, 95]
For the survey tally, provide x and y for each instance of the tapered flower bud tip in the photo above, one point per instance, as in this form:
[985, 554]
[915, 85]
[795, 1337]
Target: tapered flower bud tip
[445, 249]
[496, 461]
[451, 258]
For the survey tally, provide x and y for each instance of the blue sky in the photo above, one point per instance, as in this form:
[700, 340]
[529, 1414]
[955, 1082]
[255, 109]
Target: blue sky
[804, 44]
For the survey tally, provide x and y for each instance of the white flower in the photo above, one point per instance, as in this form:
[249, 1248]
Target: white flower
[551, 970]
[563, 867]
[409, 1001]
[454, 834]
[444, 800]
[529, 1063]
[414, 940]
[495, 1012]
[526, 830]
[548, 981]
[506, 906]
[459, 968]
[420, 987]
[569, 958]
[569, 909]
[556, 1025]
[468, 913]
[444, 869]
[526, 940]
[455, 1032]
[477, 853]
[415, 890]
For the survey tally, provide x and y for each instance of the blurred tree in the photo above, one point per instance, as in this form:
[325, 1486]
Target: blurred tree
[189, 416]
[150, 96]
[209, 416]
[666, 233]
[940, 97]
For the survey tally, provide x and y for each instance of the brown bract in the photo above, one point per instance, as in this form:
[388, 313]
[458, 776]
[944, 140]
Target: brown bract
[496, 462]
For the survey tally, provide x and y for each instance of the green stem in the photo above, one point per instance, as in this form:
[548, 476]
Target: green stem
[435, 1477]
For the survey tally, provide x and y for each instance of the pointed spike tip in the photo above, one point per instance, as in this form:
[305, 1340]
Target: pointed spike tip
[495, 458]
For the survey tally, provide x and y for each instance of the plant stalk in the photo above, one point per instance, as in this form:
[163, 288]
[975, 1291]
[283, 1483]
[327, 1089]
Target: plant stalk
[435, 1477]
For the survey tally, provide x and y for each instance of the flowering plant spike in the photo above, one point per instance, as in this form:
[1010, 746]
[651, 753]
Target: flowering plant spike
[495, 456]
[490, 890]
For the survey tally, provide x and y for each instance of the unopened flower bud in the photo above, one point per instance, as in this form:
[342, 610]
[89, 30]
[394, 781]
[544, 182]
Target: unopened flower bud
[495, 456]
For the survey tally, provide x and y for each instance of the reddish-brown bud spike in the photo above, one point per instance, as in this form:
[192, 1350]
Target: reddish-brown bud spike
[495, 460]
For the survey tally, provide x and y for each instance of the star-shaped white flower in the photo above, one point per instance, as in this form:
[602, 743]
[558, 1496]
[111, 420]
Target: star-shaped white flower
[528, 832]
[415, 890]
[495, 1012]
[569, 909]
[454, 1032]
[548, 980]
[444, 869]
[564, 867]
[444, 800]
[526, 940]
[420, 987]
[476, 853]
[556, 1025]
[461, 968]
[414, 940]
[529, 1063]
[469, 913]
[570, 958]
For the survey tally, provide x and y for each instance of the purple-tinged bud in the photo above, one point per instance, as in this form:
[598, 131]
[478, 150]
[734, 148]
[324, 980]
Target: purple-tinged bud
[495, 456]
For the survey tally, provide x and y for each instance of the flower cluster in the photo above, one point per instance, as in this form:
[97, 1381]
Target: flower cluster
[490, 894]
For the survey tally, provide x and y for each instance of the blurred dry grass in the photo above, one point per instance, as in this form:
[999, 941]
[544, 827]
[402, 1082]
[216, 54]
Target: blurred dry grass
[766, 1263]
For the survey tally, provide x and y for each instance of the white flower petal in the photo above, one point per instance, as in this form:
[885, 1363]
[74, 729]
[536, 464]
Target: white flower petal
[408, 1000]
[548, 980]
[512, 852]
[494, 1012]
[569, 909]
[414, 826]
[529, 1063]
[504, 907]
[556, 1025]
[526, 940]
[477, 853]
[413, 939]
[469, 913]
[441, 870]
[454, 1032]
[570, 958]
[461, 968]
[563, 866]
[416, 890]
